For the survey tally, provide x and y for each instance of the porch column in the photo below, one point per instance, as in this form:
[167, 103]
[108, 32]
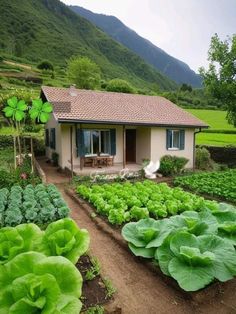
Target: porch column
[124, 148]
[71, 152]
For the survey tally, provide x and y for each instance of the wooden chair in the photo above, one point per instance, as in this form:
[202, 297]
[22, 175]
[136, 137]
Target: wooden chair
[110, 161]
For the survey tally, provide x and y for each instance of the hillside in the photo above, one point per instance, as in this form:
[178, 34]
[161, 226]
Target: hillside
[48, 29]
[175, 69]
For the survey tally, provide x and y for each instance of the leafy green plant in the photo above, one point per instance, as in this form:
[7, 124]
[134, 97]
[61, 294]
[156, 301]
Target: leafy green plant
[40, 111]
[110, 288]
[14, 241]
[64, 238]
[194, 262]
[98, 309]
[15, 109]
[203, 159]
[94, 270]
[172, 165]
[34, 283]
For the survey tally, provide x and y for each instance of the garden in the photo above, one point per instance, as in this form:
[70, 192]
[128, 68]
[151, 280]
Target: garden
[187, 237]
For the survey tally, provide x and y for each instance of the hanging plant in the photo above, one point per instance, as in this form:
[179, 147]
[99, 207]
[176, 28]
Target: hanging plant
[15, 109]
[40, 111]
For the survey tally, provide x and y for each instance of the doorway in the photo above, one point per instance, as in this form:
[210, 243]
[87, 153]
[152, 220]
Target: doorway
[130, 138]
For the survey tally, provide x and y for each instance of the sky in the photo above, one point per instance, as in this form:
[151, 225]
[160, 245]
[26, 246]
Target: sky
[182, 28]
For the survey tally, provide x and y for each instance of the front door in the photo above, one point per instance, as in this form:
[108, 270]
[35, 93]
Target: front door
[130, 145]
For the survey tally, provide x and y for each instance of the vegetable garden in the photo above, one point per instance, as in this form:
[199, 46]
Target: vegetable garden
[219, 184]
[191, 239]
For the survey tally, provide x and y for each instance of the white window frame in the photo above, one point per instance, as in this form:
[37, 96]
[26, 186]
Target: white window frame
[100, 142]
[172, 140]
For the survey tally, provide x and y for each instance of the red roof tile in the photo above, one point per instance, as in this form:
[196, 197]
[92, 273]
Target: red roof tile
[119, 108]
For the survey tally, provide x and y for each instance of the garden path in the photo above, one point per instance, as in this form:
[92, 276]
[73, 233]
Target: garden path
[139, 291]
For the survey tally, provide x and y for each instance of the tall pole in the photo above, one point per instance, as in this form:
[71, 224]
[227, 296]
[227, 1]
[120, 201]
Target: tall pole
[71, 152]
[124, 147]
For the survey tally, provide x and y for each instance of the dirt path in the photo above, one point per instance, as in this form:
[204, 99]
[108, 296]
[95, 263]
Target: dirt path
[139, 291]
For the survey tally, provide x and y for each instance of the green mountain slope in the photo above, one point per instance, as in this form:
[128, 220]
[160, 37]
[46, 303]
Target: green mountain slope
[163, 62]
[48, 29]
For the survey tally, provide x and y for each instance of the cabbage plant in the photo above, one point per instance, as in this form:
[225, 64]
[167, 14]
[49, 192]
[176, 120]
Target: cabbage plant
[63, 237]
[34, 283]
[194, 262]
[145, 236]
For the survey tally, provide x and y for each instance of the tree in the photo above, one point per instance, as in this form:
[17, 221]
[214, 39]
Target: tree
[185, 87]
[220, 78]
[120, 86]
[45, 65]
[83, 72]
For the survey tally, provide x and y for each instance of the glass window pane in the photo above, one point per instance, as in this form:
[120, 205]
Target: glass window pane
[176, 139]
[87, 142]
[95, 135]
[105, 142]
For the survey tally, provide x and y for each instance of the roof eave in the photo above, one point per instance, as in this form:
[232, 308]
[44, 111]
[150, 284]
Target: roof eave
[60, 120]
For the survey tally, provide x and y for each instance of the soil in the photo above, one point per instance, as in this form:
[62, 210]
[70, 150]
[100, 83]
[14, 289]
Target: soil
[94, 291]
[139, 290]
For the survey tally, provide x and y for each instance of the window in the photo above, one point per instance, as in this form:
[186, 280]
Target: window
[175, 139]
[47, 137]
[96, 141]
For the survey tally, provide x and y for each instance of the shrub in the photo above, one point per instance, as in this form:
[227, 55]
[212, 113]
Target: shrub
[45, 65]
[121, 86]
[171, 165]
[203, 159]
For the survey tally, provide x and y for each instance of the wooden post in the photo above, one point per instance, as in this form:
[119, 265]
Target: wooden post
[71, 153]
[32, 154]
[14, 143]
[124, 147]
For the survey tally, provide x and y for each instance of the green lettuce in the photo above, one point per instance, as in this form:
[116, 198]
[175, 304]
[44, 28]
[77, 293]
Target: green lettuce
[14, 241]
[34, 283]
[63, 237]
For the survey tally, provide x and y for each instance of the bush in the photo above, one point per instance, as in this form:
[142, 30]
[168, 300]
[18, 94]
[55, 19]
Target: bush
[45, 65]
[171, 165]
[203, 159]
[55, 158]
[120, 86]
[6, 141]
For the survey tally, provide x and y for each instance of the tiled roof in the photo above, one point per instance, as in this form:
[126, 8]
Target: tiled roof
[120, 108]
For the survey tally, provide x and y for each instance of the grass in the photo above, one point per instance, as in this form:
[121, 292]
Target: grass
[216, 139]
[215, 118]
[6, 158]
[110, 288]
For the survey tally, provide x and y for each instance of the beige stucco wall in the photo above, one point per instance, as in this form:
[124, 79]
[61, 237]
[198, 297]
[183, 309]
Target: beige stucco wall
[158, 145]
[150, 143]
[52, 123]
[143, 144]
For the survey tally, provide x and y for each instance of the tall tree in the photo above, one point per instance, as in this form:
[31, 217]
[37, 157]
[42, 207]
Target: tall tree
[84, 73]
[220, 78]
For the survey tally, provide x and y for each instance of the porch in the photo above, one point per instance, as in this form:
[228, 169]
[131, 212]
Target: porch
[115, 169]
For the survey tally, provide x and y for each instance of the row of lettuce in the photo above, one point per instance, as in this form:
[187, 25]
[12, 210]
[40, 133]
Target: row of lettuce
[221, 184]
[195, 245]
[122, 203]
[37, 267]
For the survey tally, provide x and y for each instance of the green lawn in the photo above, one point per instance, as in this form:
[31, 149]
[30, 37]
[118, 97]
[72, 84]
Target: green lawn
[215, 118]
[216, 139]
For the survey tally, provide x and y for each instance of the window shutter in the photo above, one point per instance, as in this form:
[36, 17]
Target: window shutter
[53, 138]
[182, 140]
[168, 139]
[47, 137]
[80, 143]
[113, 141]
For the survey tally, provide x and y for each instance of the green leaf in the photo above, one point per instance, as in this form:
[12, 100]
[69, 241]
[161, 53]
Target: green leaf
[189, 277]
[180, 239]
[12, 102]
[19, 115]
[8, 112]
[21, 105]
[37, 104]
[44, 117]
[33, 113]
[47, 107]
[164, 255]
[142, 251]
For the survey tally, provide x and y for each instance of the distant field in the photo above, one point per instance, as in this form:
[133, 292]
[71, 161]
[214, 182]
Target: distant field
[216, 139]
[215, 118]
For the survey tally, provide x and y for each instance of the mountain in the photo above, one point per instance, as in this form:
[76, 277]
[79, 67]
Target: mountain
[175, 69]
[48, 29]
